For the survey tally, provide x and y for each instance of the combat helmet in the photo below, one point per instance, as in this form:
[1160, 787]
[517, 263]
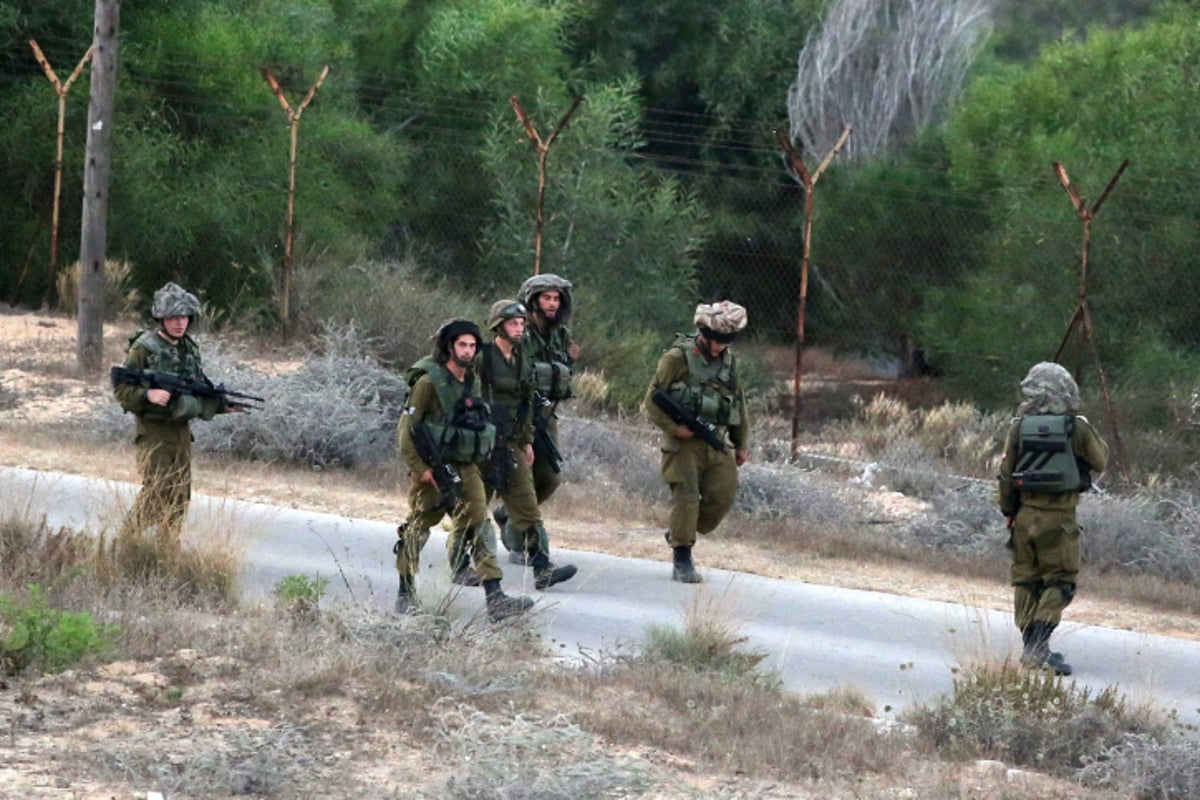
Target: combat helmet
[504, 310]
[447, 332]
[172, 300]
[720, 322]
[547, 281]
[1049, 388]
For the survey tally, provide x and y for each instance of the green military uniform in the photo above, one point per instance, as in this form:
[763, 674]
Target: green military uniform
[163, 436]
[548, 350]
[432, 394]
[463, 436]
[508, 387]
[703, 481]
[1045, 534]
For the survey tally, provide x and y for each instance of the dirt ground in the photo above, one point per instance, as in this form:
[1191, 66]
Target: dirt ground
[119, 710]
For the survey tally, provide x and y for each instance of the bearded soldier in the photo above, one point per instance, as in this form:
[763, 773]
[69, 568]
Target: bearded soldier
[552, 353]
[697, 401]
[507, 379]
[1050, 452]
[164, 437]
[444, 436]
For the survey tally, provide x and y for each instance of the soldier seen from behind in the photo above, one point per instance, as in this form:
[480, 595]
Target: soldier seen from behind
[552, 353]
[1050, 452]
[163, 433]
[697, 401]
[445, 436]
[507, 385]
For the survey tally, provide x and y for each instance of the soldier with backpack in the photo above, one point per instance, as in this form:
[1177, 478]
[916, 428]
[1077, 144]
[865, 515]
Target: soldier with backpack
[444, 436]
[697, 401]
[506, 377]
[1050, 453]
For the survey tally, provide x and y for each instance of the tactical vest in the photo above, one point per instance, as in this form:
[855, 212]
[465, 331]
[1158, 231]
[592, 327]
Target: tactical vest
[1046, 460]
[465, 433]
[551, 361]
[505, 386]
[181, 360]
[710, 391]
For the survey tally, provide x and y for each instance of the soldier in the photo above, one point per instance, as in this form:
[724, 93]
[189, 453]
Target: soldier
[164, 437]
[445, 415]
[552, 353]
[699, 374]
[1050, 452]
[507, 378]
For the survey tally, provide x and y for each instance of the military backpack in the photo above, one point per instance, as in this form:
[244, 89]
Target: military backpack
[1046, 460]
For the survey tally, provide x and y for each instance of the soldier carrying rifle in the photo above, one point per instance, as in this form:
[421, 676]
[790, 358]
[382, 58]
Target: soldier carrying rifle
[697, 401]
[164, 437]
[444, 436]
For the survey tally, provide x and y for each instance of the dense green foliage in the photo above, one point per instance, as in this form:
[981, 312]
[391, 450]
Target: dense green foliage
[957, 252]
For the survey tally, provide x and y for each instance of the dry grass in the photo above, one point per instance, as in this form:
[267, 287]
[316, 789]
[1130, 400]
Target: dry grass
[214, 699]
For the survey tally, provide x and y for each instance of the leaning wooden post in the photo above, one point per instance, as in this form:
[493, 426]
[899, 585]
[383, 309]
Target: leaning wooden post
[293, 116]
[1083, 315]
[809, 182]
[542, 148]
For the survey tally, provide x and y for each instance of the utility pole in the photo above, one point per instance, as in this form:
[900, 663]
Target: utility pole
[96, 170]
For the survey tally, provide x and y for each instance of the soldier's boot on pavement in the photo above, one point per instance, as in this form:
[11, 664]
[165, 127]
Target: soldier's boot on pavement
[1037, 653]
[684, 570]
[406, 597]
[501, 606]
[545, 573]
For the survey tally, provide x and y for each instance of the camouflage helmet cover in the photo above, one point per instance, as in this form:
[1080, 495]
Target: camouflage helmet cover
[172, 300]
[720, 321]
[504, 310]
[547, 281]
[1048, 388]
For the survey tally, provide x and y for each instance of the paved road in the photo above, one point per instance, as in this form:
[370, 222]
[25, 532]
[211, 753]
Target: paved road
[895, 649]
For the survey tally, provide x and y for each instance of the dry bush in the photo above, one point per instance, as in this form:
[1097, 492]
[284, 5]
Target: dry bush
[397, 307]
[119, 299]
[1148, 768]
[338, 408]
[530, 756]
[1030, 718]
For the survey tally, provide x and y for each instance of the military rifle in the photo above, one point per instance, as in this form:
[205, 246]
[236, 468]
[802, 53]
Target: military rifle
[700, 427]
[542, 440]
[177, 385]
[448, 481]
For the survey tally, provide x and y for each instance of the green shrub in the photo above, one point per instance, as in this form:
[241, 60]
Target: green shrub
[299, 595]
[39, 638]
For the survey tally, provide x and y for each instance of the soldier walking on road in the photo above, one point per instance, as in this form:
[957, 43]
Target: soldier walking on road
[552, 353]
[1050, 452]
[507, 379]
[164, 436]
[699, 374]
[444, 412]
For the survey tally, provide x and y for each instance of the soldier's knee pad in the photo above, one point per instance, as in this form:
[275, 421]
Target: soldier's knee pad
[1067, 590]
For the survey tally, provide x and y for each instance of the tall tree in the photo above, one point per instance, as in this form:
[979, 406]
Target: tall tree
[96, 172]
[887, 68]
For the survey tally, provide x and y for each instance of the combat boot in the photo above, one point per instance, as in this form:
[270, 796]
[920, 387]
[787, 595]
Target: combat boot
[1037, 653]
[406, 598]
[501, 606]
[685, 570]
[546, 574]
